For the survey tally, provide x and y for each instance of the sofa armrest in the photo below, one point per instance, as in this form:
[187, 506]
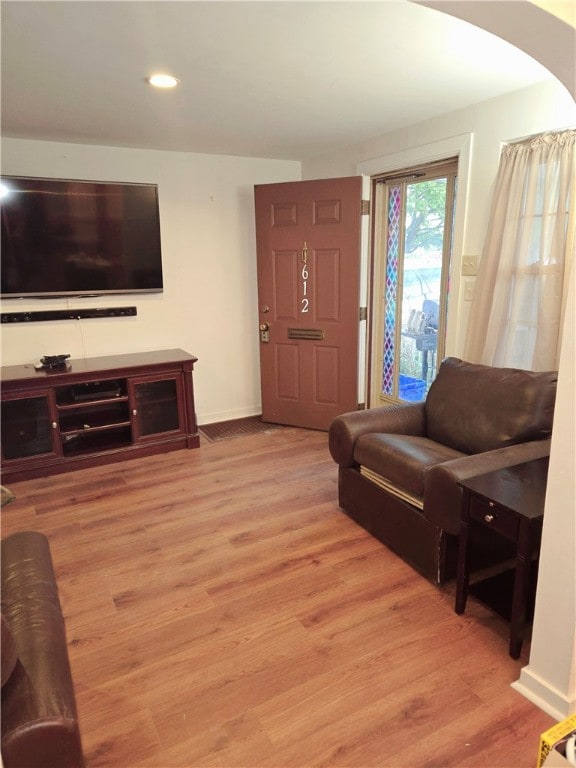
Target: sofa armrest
[398, 418]
[443, 495]
[39, 718]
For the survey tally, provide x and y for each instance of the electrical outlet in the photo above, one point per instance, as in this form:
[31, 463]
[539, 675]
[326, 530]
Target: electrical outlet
[470, 265]
[469, 289]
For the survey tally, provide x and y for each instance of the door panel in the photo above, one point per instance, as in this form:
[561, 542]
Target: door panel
[287, 360]
[327, 273]
[327, 364]
[284, 266]
[308, 243]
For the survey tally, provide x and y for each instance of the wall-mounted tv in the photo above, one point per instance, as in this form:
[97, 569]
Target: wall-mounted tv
[78, 238]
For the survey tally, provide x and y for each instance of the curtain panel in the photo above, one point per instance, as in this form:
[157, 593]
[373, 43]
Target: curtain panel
[520, 295]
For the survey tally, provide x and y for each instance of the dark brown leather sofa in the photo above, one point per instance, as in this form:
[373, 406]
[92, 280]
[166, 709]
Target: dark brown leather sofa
[39, 719]
[399, 465]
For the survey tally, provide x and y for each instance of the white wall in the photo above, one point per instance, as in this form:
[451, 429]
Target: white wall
[209, 304]
[550, 678]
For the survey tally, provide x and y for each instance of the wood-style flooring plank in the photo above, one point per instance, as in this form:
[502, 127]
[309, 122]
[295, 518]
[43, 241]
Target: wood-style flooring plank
[222, 612]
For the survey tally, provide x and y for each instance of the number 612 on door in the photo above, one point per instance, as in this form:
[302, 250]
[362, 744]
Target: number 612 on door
[304, 274]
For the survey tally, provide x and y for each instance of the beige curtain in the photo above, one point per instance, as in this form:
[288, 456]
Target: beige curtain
[520, 293]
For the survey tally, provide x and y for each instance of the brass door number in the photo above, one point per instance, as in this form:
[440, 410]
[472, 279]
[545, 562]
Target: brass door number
[305, 303]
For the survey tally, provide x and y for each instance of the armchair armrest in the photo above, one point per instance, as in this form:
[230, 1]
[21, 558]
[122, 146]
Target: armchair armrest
[401, 418]
[443, 495]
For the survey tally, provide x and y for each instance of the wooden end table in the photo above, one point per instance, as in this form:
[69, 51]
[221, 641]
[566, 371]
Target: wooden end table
[509, 502]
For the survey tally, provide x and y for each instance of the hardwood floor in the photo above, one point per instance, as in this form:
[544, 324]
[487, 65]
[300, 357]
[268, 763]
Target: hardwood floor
[222, 611]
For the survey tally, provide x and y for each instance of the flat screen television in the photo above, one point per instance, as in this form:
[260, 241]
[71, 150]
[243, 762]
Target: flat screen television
[78, 238]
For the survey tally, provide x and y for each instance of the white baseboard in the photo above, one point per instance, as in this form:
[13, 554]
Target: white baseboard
[544, 695]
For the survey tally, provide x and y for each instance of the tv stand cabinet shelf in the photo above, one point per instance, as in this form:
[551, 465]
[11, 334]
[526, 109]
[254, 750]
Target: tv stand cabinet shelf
[95, 411]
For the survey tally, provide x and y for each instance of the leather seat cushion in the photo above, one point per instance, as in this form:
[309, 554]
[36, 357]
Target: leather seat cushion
[402, 459]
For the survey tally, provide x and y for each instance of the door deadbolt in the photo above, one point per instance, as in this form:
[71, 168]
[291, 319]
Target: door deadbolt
[264, 332]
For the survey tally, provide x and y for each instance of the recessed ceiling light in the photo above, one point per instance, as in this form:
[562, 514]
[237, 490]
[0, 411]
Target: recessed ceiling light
[163, 81]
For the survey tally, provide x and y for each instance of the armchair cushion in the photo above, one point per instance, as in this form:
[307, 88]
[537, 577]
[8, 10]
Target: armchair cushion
[475, 408]
[401, 459]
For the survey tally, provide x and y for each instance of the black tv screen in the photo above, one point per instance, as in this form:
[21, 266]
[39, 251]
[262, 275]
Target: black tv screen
[79, 238]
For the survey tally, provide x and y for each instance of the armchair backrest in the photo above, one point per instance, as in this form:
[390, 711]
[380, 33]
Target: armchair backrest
[475, 408]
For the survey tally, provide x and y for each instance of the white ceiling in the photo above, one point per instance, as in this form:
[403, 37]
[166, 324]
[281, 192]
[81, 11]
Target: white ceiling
[265, 79]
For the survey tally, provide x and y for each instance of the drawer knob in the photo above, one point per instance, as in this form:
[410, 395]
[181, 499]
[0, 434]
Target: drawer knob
[488, 518]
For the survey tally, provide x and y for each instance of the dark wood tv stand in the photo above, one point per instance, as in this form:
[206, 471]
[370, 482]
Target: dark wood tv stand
[95, 411]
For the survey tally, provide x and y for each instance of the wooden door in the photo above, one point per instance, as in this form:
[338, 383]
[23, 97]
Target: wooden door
[308, 247]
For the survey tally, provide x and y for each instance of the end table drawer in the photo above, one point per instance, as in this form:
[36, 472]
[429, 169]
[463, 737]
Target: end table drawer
[493, 516]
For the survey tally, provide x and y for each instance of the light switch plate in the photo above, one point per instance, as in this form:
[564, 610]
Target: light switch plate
[468, 289]
[470, 265]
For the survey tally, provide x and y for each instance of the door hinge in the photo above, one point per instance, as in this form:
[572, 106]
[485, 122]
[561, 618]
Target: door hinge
[365, 208]
[363, 315]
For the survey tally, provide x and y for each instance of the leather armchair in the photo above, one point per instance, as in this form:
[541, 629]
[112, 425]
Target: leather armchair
[399, 465]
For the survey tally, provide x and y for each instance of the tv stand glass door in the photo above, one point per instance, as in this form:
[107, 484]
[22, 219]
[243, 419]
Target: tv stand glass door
[156, 406]
[29, 426]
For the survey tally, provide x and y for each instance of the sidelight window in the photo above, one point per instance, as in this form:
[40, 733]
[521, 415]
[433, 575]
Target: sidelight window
[413, 243]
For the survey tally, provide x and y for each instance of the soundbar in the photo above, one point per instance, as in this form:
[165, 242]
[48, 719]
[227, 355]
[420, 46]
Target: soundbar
[66, 314]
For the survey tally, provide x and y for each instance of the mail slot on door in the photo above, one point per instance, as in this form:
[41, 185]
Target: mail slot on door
[314, 334]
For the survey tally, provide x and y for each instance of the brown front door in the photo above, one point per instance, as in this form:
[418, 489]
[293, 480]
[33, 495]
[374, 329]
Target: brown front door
[308, 247]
